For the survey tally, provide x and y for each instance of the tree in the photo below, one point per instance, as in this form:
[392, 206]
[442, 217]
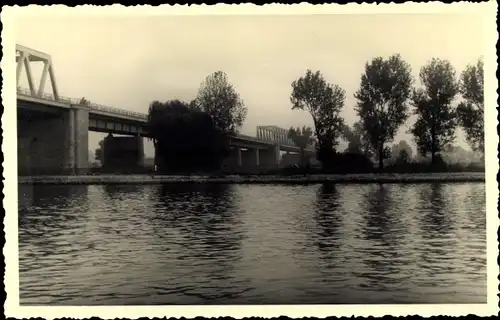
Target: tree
[400, 147]
[357, 140]
[324, 102]
[382, 101]
[436, 117]
[218, 98]
[403, 157]
[185, 138]
[302, 137]
[471, 111]
[84, 102]
[99, 154]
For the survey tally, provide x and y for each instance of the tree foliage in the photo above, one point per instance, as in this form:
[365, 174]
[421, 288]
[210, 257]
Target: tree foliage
[185, 138]
[357, 139]
[403, 157]
[84, 102]
[324, 102]
[383, 101]
[302, 137]
[99, 152]
[218, 98]
[436, 117]
[397, 149]
[471, 110]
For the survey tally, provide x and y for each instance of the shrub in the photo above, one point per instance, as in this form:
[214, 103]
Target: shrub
[349, 162]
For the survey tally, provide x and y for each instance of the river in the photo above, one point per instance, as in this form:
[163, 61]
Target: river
[252, 244]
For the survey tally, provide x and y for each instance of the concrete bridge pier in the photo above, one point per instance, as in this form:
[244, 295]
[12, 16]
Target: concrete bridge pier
[140, 150]
[291, 158]
[53, 143]
[270, 158]
[239, 157]
[106, 145]
[234, 160]
[251, 158]
[123, 154]
[80, 134]
[245, 161]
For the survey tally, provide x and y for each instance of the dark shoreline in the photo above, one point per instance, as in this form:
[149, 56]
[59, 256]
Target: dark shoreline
[236, 179]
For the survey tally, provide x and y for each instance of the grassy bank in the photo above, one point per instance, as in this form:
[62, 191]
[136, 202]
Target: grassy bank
[257, 179]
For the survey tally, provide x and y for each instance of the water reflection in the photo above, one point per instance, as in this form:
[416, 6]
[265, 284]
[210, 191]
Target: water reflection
[205, 214]
[119, 192]
[207, 227]
[473, 206]
[435, 220]
[378, 218]
[33, 196]
[327, 238]
[49, 226]
[438, 240]
[328, 219]
[47, 211]
[230, 244]
[383, 257]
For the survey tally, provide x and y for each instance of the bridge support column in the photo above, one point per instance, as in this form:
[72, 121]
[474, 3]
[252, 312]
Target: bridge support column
[140, 150]
[123, 154]
[290, 159]
[81, 139]
[52, 143]
[270, 158]
[239, 158]
[234, 161]
[251, 158]
[70, 149]
[105, 150]
[157, 160]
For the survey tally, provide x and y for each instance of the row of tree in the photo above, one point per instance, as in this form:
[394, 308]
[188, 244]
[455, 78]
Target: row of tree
[193, 135]
[383, 104]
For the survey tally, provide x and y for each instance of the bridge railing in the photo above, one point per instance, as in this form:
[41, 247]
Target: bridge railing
[103, 108]
[252, 138]
[94, 106]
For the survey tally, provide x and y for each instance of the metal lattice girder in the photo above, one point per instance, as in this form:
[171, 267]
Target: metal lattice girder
[278, 135]
[274, 133]
[24, 56]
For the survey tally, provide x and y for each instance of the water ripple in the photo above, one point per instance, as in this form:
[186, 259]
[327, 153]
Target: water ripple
[265, 244]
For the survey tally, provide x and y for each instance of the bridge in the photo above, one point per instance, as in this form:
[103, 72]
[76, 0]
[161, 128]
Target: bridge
[53, 129]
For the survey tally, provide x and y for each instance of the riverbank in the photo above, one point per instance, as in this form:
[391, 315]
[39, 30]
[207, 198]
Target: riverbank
[316, 178]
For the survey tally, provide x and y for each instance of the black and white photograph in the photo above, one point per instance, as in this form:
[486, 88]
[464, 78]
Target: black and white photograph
[314, 158]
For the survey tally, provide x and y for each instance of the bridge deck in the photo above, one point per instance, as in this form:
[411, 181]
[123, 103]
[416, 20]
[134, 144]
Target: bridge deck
[116, 113]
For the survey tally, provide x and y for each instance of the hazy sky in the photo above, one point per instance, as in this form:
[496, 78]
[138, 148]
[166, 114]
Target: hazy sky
[127, 62]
